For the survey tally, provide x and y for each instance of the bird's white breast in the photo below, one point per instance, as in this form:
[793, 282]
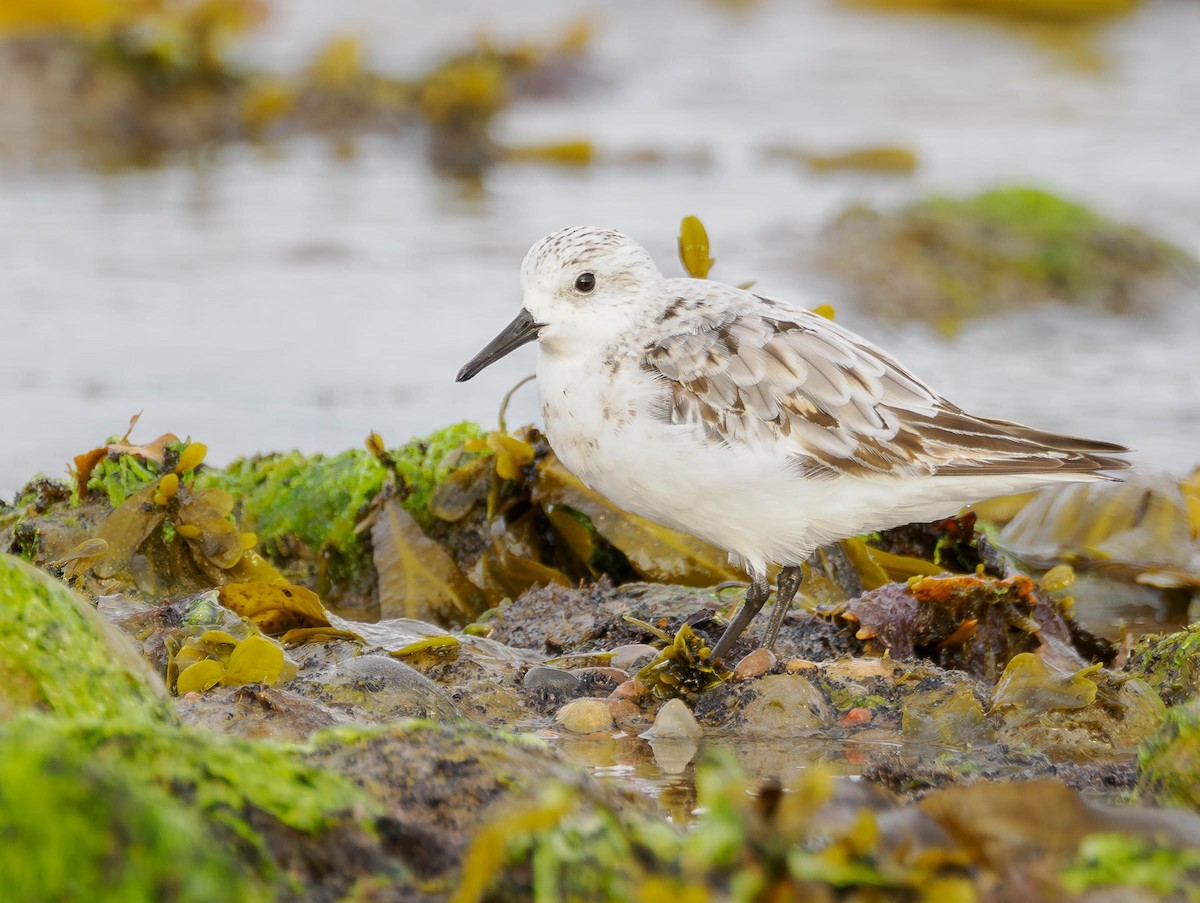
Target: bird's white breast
[603, 420]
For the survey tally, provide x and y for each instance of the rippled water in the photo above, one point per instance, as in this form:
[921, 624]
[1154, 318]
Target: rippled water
[274, 299]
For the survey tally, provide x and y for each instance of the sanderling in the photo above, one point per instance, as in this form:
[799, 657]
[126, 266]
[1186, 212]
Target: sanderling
[761, 427]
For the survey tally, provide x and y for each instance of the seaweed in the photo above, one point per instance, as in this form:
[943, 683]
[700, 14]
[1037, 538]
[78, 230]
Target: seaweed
[1003, 249]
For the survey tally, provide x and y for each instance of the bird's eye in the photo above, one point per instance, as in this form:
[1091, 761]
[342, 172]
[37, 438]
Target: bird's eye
[585, 283]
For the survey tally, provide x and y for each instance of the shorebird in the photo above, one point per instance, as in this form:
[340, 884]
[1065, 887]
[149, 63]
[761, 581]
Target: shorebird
[759, 426]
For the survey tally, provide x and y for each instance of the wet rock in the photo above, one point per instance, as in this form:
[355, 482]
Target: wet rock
[757, 663]
[546, 689]
[558, 619]
[944, 259]
[674, 721]
[438, 784]
[946, 714]
[381, 688]
[599, 681]
[585, 716]
[628, 715]
[780, 705]
[634, 690]
[256, 712]
[58, 655]
[856, 717]
[632, 656]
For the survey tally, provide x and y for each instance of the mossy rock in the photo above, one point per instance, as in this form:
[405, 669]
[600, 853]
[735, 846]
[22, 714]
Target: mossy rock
[1169, 762]
[1170, 664]
[58, 655]
[83, 827]
[130, 811]
[943, 260]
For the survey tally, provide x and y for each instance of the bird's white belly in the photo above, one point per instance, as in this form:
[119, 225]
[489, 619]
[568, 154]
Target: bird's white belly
[751, 500]
[746, 501]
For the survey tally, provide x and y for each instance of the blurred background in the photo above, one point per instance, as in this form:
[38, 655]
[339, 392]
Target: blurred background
[284, 225]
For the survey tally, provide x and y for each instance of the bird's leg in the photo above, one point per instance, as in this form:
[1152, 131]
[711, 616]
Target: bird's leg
[759, 590]
[789, 582]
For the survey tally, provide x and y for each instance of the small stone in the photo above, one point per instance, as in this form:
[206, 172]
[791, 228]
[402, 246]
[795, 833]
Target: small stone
[554, 680]
[547, 688]
[627, 714]
[674, 721]
[633, 690]
[800, 664]
[757, 663]
[585, 716]
[856, 716]
[632, 656]
[599, 681]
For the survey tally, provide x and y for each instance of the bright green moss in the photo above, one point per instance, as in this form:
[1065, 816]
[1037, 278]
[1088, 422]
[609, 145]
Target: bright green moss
[1121, 861]
[1169, 762]
[121, 477]
[132, 811]
[79, 826]
[58, 655]
[316, 498]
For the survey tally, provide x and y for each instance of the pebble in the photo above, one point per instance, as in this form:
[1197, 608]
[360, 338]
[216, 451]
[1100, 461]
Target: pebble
[585, 716]
[757, 663]
[857, 715]
[632, 656]
[633, 690]
[674, 721]
[627, 715]
[554, 680]
[599, 681]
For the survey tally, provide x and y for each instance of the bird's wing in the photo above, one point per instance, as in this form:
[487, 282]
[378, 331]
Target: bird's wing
[760, 372]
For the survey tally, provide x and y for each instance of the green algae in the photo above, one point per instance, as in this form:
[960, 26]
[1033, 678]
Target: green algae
[121, 476]
[58, 655]
[423, 464]
[1169, 761]
[1004, 249]
[1170, 664]
[190, 811]
[225, 774]
[1114, 860]
[108, 796]
[82, 827]
[316, 499]
[320, 500]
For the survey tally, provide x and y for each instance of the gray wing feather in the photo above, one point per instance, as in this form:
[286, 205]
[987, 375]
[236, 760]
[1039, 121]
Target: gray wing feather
[834, 402]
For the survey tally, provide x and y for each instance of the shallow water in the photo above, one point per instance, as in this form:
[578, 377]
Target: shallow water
[265, 300]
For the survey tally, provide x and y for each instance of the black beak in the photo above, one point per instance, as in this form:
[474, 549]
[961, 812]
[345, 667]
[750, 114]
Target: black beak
[519, 332]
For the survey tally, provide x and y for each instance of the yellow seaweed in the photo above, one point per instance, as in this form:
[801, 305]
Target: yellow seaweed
[275, 608]
[417, 577]
[199, 676]
[254, 660]
[126, 529]
[694, 248]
